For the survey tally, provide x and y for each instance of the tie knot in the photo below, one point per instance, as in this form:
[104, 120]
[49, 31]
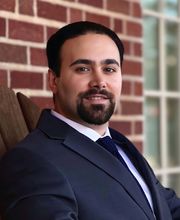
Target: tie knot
[108, 144]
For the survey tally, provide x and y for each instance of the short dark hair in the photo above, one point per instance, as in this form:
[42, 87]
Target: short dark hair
[73, 30]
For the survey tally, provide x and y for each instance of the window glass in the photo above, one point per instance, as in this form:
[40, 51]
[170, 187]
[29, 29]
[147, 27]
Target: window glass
[151, 53]
[150, 4]
[174, 182]
[172, 82]
[162, 86]
[171, 7]
[173, 136]
[152, 131]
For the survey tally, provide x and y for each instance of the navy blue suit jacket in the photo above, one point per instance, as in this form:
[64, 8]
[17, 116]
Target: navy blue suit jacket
[56, 173]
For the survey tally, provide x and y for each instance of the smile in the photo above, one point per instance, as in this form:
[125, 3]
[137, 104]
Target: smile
[96, 97]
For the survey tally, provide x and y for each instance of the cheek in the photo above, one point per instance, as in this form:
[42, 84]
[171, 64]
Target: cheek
[64, 92]
[70, 93]
[117, 88]
[116, 82]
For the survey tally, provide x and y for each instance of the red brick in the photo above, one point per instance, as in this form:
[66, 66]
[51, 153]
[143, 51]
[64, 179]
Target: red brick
[12, 53]
[7, 5]
[138, 88]
[121, 6]
[26, 80]
[52, 11]
[131, 108]
[2, 27]
[96, 3]
[75, 15]
[134, 29]
[26, 7]
[3, 77]
[132, 68]
[43, 102]
[137, 47]
[137, 10]
[51, 31]
[25, 31]
[38, 57]
[127, 47]
[98, 18]
[138, 127]
[123, 127]
[126, 88]
[118, 26]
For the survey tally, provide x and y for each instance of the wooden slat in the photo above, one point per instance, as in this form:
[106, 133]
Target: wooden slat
[30, 110]
[12, 124]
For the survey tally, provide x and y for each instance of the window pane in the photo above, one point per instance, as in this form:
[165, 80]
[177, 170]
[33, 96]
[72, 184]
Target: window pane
[171, 7]
[151, 53]
[150, 4]
[174, 182]
[152, 131]
[172, 82]
[173, 132]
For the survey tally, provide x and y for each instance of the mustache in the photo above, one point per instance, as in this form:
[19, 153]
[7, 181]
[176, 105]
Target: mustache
[96, 91]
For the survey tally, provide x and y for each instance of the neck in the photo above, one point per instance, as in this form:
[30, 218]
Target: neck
[101, 129]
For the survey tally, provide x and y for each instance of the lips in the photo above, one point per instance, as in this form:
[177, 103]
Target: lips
[96, 97]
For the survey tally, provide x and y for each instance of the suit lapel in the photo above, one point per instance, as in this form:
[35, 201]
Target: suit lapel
[146, 172]
[158, 203]
[95, 154]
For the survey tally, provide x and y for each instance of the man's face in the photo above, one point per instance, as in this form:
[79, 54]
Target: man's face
[89, 86]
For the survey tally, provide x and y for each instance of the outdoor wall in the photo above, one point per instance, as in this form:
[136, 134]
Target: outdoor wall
[25, 26]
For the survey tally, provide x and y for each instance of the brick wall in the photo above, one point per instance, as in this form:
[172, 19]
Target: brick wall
[25, 26]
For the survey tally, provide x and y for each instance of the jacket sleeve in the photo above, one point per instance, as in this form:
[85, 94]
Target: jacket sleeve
[33, 188]
[172, 200]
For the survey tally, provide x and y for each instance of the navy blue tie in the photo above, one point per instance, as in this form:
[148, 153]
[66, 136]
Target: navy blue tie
[110, 146]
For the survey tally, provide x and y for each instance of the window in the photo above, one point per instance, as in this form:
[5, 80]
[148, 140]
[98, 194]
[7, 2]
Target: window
[162, 89]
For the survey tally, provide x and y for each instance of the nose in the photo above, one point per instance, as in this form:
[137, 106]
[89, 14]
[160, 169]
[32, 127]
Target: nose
[98, 81]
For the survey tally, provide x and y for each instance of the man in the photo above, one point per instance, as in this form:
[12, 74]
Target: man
[60, 171]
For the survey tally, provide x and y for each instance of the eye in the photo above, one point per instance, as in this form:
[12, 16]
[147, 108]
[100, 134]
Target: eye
[109, 69]
[82, 69]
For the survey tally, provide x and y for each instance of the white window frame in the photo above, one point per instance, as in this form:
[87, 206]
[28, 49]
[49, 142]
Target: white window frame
[162, 94]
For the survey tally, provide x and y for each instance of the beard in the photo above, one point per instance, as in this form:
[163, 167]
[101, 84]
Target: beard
[96, 114]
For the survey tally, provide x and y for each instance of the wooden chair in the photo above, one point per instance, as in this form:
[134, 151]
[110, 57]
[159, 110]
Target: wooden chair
[18, 116]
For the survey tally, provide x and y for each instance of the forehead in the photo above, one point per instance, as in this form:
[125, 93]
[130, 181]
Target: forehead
[90, 46]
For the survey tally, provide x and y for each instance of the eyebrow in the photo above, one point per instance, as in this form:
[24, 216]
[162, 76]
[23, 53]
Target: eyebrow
[110, 61]
[88, 62]
[82, 61]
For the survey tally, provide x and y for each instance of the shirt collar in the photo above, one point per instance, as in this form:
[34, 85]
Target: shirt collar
[89, 132]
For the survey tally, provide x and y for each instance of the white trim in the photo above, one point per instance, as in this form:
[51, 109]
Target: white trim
[162, 94]
[34, 92]
[23, 67]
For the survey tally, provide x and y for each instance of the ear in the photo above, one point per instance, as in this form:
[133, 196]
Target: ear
[52, 80]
